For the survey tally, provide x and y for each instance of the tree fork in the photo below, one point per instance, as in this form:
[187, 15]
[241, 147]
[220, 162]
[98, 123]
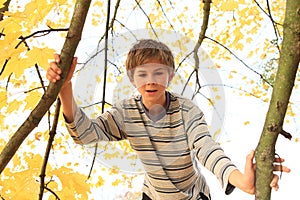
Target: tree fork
[284, 82]
[67, 53]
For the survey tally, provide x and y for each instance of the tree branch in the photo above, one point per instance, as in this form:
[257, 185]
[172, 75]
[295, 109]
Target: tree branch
[286, 134]
[4, 8]
[283, 86]
[105, 55]
[206, 9]
[67, 54]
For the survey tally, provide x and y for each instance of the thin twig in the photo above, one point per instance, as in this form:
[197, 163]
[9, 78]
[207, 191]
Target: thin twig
[274, 23]
[48, 149]
[105, 55]
[52, 192]
[115, 15]
[150, 23]
[44, 88]
[96, 103]
[43, 32]
[4, 65]
[7, 82]
[40, 77]
[165, 14]
[93, 162]
[247, 66]
[104, 76]
[274, 26]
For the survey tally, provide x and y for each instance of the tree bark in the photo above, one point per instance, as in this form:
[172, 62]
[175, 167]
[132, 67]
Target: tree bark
[4, 8]
[66, 56]
[284, 82]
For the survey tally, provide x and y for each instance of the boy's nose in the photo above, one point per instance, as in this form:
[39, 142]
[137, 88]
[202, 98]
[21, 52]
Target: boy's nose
[150, 80]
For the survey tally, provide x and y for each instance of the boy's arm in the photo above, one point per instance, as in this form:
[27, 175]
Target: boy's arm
[66, 98]
[246, 181]
[66, 92]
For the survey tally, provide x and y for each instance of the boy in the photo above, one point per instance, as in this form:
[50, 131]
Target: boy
[167, 131]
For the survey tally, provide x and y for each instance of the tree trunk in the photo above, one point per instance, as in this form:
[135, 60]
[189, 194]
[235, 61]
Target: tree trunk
[285, 77]
[66, 56]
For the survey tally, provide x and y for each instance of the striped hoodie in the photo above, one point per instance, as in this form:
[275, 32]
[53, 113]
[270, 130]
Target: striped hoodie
[170, 147]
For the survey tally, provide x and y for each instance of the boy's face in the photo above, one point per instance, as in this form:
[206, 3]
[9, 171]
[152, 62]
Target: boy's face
[151, 80]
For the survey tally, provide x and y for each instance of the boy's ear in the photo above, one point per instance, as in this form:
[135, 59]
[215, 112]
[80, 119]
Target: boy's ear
[132, 82]
[171, 76]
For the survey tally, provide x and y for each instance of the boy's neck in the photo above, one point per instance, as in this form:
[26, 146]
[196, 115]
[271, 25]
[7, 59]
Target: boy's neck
[156, 108]
[155, 105]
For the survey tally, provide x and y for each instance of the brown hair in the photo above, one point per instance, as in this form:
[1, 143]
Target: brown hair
[146, 49]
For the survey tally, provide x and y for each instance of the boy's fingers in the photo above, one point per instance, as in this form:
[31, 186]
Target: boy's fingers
[249, 161]
[56, 58]
[72, 69]
[54, 67]
[74, 63]
[74, 60]
[281, 168]
[279, 160]
[274, 182]
[51, 75]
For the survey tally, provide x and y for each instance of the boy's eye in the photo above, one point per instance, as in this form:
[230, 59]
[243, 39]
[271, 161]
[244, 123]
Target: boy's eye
[142, 75]
[159, 73]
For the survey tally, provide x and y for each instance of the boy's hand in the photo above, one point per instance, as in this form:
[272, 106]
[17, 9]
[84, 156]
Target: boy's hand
[54, 72]
[250, 168]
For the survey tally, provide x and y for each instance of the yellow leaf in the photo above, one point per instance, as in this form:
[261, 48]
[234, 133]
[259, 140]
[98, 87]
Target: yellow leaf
[11, 108]
[2, 3]
[249, 40]
[3, 97]
[20, 182]
[40, 56]
[32, 99]
[38, 135]
[216, 133]
[116, 182]
[246, 123]
[74, 183]
[266, 100]
[100, 181]
[11, 25]
[98, 79]
[14, 66]
[114, 170]
[228, 5]
[215, 89]
[111, 155]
